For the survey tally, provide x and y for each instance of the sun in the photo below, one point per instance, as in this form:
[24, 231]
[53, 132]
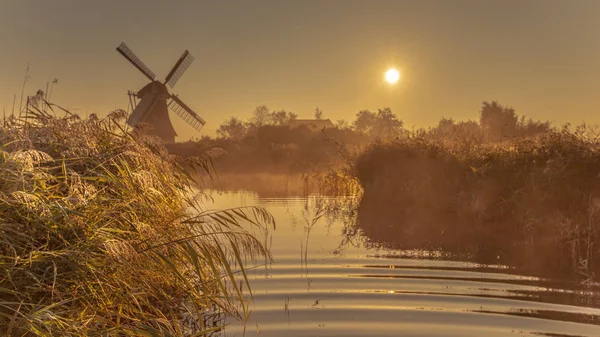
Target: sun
[392, 76]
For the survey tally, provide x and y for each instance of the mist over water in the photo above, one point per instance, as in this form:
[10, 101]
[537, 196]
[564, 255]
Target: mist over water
[332, 276]
[304, 168]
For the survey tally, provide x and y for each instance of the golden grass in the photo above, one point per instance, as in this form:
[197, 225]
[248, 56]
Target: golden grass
[100, 234]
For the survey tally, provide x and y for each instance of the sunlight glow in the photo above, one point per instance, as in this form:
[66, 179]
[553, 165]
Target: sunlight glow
[392, 76]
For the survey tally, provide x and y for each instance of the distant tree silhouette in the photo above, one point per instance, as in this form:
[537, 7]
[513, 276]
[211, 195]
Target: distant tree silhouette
[232, 128]
[318, 113]
[282, 117]
[387, 124]
[342, 124]
[261, 116]
[529, 127]
[498, 122]
[273, 134]
[501, 122]
[384, 123]
[449, 129]
[365, 121]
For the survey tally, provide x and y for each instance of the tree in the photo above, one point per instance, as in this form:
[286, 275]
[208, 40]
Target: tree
[318, 113]
[449, 129]
[383, 124]
[282, 117]
[527, 128]
[232, 128]
[387, 125]
[497, 121]
[342, 124]
[261, 116]
[365, 121]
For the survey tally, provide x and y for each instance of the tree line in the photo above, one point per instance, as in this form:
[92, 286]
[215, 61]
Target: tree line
[383, 123]
[496, 122]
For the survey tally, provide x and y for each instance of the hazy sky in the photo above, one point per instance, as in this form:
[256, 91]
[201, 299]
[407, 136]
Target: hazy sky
[542, 57]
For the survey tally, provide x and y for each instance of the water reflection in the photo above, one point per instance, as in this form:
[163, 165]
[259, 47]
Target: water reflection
[402, 225]
[335, 276]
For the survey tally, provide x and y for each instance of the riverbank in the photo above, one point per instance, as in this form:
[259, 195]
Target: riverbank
[532, 201]
[101, 235]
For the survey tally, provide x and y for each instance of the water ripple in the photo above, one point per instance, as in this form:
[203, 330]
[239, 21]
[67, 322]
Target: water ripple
[365, 292]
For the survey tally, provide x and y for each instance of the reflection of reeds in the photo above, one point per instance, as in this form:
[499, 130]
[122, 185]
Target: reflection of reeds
[311, 215]
[530, 201]
[96, 237]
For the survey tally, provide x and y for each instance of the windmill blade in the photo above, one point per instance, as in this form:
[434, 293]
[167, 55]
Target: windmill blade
[130, 56]
[187, 114]
[180, 67]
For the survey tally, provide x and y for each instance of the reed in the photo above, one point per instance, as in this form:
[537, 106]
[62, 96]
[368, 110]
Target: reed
[531, 202]
[102, 233]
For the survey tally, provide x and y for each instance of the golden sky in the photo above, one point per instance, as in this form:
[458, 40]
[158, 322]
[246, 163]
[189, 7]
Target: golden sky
[541, 57]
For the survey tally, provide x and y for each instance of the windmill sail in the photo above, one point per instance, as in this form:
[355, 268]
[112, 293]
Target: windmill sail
[155, 101]
[187, 114]
[130, 56]
[180, 67]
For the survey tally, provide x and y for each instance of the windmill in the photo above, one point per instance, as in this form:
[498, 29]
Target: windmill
[155, 101]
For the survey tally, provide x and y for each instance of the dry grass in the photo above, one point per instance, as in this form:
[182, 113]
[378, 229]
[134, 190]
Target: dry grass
[531, 202]
[100, 234]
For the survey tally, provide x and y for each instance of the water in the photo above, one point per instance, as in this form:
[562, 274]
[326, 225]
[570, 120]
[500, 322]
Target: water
[327, 279]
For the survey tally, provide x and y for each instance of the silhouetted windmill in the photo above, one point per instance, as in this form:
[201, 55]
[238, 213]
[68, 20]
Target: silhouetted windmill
[155, 99]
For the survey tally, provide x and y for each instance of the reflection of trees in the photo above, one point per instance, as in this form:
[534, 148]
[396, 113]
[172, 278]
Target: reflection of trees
[332, 208]
[398, 221]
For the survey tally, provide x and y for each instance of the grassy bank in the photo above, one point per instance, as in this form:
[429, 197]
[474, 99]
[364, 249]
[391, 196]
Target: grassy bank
[531, 202]
[100, 234]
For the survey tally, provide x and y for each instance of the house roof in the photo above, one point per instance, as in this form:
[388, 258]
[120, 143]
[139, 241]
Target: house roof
[311, 123]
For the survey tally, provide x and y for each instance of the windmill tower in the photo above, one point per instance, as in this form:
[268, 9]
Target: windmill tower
[155, 100]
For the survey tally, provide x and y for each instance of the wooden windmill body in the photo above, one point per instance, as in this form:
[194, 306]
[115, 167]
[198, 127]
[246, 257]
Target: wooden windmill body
[155, 101]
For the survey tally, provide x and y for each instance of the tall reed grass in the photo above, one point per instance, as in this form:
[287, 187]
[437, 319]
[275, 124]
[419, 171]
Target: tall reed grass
[101, 234]
[532, 202]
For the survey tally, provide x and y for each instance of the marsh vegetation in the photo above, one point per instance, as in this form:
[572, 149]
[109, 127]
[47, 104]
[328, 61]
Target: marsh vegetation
[102, 233]
[504, 188]
[531, 202]
[103, 230]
